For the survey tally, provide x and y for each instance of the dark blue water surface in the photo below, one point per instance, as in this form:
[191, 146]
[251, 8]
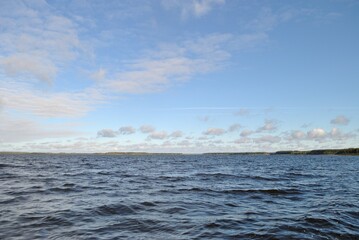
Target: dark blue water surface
[179, 197]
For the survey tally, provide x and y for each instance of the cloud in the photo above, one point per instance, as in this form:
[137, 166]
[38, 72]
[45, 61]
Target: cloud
[147, 129]
[234, 127]
[203, 138]
[157, 135]
[269, 125]
[214, 131]
[1, 104]
[46, 104]
[297, 135]
[99, 75]
[243, 140]
[171, 64]
[36, 67]
[176, 134]
[13, 130]
[340, 120]
[107, 133]
[337, 134]
[184, 143]
[265, 21]
[151, 75]
[197, 8]
[126, 130]
[319, 134]
[35, 41]
[246, 133]
[267, 139]
[316, 133]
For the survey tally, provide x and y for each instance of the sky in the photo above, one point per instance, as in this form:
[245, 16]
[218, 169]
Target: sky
[186, 76]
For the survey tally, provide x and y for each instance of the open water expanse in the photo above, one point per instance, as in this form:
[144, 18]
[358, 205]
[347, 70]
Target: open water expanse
[179, 197]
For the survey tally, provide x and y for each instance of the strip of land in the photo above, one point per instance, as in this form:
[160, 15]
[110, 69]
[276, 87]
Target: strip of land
[346, 151]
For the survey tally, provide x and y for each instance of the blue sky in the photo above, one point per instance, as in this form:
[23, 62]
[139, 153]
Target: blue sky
[185, 76]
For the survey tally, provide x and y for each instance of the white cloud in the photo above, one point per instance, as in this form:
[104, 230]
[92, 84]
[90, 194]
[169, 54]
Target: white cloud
[47, 104]
[269, 125]
[107, 133]
[297, 135]
[157, 135]
[234, 127]
[171, 64]
[267, 139]
[214, 131]
[35, 41]
[337, 134]
[203, 138]
[197, 8]
[1, 104]
[14, 130]
[246, 133]
[99, 75]
[147, 129]
[176, 134]
[265, 21]
[319, 135]
[316, 133]
[127, 130]
[151, 75]
[340, 120]
[184, 143]
[36, 67]
[243, 140]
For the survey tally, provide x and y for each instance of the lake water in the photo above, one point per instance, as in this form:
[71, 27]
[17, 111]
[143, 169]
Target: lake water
[179, 197]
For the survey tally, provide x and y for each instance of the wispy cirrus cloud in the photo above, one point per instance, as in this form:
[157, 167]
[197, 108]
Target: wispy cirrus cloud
[45, 104]
[36, 44]
[14, 130]
[99, 75]
[170, 65]
[35, 41]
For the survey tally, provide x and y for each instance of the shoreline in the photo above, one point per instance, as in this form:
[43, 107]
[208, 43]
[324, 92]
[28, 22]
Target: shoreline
[338, 152]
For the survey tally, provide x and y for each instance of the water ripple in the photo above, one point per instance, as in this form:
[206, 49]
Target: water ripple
[178, 197]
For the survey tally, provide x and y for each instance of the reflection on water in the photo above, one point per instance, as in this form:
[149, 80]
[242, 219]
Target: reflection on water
[179, 197]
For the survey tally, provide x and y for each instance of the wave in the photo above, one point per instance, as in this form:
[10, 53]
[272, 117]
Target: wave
[274, 191]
